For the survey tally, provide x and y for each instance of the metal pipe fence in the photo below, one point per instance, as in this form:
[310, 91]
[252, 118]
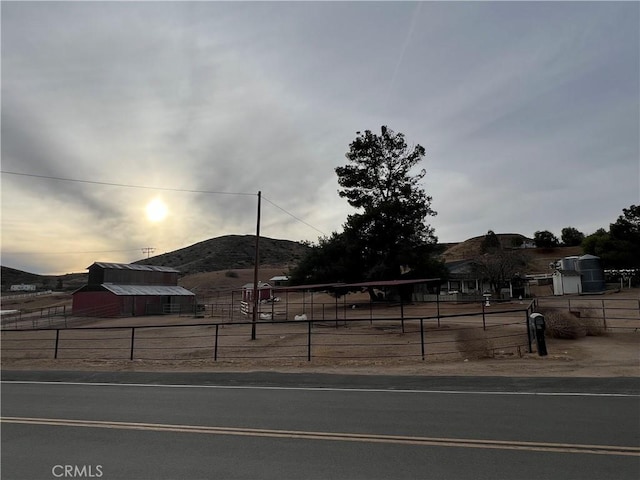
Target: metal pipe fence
[418, 338]
[612, 314]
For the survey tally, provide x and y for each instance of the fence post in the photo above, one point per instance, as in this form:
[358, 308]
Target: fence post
[438, 306]
[604, 315]
[484, 322]
[309, 341]
[526, 324]
[55, 353]
[133, 332]
[215, 348]
[422, 337]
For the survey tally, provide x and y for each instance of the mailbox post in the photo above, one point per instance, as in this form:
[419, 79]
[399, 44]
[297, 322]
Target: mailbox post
[537, 326]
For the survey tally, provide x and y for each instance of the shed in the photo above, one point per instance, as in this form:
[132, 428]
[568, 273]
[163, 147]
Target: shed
[279, 281]
[265, 292]
[566, 282]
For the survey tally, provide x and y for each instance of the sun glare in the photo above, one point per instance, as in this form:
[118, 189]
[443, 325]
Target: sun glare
[156, 210]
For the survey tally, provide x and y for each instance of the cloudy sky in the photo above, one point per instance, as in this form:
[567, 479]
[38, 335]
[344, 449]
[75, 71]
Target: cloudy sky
[529, 113]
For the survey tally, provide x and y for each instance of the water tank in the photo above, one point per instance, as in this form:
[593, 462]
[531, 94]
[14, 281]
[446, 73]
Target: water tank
[592, 274]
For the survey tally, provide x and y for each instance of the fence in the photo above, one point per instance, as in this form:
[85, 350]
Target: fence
[474, 334]
[36, 317]
[614, 314]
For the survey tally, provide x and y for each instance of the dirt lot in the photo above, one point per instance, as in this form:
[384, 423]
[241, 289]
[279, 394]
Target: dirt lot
[610, 355]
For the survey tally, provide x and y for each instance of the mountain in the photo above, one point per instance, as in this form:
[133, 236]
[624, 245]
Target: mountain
[69, 281]
[11, 276]
[229, 252]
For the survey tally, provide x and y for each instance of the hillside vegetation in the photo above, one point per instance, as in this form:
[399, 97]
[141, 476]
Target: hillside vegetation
[538, 259]
[230, 252]
[227, 262]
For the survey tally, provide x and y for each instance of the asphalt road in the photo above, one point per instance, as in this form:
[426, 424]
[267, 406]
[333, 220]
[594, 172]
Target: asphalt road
[306, 426]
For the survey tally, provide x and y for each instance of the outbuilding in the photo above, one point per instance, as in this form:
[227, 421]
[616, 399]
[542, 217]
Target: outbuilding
[118, 289]
[265, 292]
[566, 282]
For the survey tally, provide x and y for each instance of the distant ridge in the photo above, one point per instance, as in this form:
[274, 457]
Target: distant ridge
[230, 252]
[471, 247]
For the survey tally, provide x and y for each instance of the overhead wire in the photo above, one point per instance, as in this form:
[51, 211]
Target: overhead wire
[124, 185]
[111, 184]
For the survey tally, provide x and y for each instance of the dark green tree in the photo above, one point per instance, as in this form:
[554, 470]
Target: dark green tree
[490, 243]
[389, 232]
[620, 246]
[598, 243]
[571, 237]
[545, 239]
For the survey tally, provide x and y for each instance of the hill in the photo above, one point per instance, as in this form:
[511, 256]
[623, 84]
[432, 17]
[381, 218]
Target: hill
[471, 248]
[69, 281]
[230, 252]
[538, 259]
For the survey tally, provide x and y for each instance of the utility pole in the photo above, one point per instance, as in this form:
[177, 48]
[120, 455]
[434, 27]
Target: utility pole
[256, 294]
[148, 250]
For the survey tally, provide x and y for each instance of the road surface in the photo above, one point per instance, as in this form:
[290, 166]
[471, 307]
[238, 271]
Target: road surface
[312, 426]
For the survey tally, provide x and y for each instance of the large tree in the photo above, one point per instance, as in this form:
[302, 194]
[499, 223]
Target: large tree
[571, 237]
[620, 246]
[545, 239]
[389, 233]
[392, 207]
[490, 243]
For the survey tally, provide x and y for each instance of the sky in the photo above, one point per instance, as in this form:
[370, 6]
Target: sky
[529, 114]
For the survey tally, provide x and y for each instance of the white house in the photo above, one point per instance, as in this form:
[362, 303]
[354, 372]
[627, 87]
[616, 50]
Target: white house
[23, 288]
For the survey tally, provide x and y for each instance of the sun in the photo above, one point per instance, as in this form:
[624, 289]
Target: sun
[156, 210]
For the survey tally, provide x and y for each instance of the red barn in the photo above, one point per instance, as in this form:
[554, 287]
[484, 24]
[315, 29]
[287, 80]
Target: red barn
[119, 289]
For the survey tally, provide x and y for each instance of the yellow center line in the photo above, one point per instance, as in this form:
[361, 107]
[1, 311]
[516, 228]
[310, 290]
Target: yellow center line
[336, 436]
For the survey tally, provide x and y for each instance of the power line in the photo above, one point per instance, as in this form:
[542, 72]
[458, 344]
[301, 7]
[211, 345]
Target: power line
[69, 253]
[125, 185]
[292, 215]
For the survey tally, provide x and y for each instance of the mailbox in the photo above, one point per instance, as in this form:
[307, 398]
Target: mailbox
[537, 326]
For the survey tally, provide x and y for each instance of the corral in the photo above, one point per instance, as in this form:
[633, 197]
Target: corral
[370, 335]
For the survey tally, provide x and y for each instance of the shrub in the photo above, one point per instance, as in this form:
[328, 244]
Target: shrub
[473, 343]
[592, 320]
[564, 325]
[231, 274]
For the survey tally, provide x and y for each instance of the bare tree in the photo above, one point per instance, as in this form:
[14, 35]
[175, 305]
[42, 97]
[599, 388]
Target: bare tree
[499, 267]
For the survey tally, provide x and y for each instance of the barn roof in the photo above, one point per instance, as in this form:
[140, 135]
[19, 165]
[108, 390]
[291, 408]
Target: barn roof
[146, 290]
[133, 266]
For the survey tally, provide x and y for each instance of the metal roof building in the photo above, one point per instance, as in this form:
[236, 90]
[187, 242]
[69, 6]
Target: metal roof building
[118, 289]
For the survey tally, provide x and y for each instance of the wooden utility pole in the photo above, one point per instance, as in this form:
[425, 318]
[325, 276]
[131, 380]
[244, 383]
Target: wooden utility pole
[256, 293]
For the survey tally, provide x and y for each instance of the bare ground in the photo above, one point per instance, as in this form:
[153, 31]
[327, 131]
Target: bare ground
[610, 355]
